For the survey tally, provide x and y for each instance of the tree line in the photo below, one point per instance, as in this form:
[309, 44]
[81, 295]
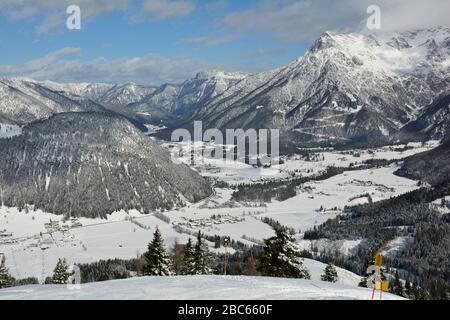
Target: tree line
[279, 257]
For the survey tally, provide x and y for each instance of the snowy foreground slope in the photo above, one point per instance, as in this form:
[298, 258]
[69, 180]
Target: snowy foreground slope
[197, 288]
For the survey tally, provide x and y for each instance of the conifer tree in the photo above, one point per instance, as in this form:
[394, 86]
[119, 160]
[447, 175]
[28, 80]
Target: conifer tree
[157, 262]
[414, 291]
[251, 267]
[281, 258]
[61, 273]
[363, 282]
[396, 286]
[421, 294]
[202, 257]
[330, 274]
[188, 259]
[408, 289]
[177, 257]
[5, 278]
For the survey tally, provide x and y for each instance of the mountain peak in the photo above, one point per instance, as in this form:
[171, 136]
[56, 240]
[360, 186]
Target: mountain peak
[216, 73]
[348, 87]
[326, 40]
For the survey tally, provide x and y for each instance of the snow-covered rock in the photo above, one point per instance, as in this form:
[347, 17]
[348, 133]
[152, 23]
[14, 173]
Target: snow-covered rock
[193, 93]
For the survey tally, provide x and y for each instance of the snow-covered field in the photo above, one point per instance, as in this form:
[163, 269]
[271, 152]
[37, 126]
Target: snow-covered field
[32, 241]
[207, 288]
[235, 172]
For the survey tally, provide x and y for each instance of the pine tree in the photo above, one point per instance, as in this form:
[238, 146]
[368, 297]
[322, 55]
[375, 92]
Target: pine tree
[177, 257]
[5, 278]
[187, 267]
[330, 274]
[396, 286]
[408, 289]
[202, 258]
[281, 258]
[251, 267]
[363, 282]
[414, 291]
[61, 273]
[421, 294]
[157, 262]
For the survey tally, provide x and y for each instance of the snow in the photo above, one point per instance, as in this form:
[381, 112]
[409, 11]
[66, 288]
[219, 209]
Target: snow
[33, 249]
[344, 247]
[196, 288]
[151, 129]
[395, 245]
[395, 67]
[119, 237]
[9, 130]
[317, 269]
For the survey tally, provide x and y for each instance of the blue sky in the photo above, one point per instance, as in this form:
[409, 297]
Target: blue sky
[157, 41]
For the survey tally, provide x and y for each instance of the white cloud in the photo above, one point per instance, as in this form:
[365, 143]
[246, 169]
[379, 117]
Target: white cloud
[296, 20]
[51, 14]
[166, 9]
[148, 69]
[47, 61]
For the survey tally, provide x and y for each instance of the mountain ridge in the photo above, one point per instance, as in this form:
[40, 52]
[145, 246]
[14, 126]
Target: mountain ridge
[92, 164]
[347, 87]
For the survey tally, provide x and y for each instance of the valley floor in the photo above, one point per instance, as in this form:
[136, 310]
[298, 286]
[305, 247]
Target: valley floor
[32, 241]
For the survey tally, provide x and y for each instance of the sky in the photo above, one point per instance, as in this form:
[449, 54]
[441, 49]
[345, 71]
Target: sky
[168, 41]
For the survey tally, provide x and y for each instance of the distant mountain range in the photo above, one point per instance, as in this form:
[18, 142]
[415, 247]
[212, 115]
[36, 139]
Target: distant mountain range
[24, 100]
[347, 89]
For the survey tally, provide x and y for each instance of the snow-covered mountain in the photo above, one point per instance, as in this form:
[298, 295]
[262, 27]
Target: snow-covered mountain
[92, 164]
[108, 94]
[347, 87]
[123, 95]
[191, 94]
[24, 100]
[432, 124]
[169, 99]
[93, 91]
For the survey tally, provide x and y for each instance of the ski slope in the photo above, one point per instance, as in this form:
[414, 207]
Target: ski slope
[196, 288]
